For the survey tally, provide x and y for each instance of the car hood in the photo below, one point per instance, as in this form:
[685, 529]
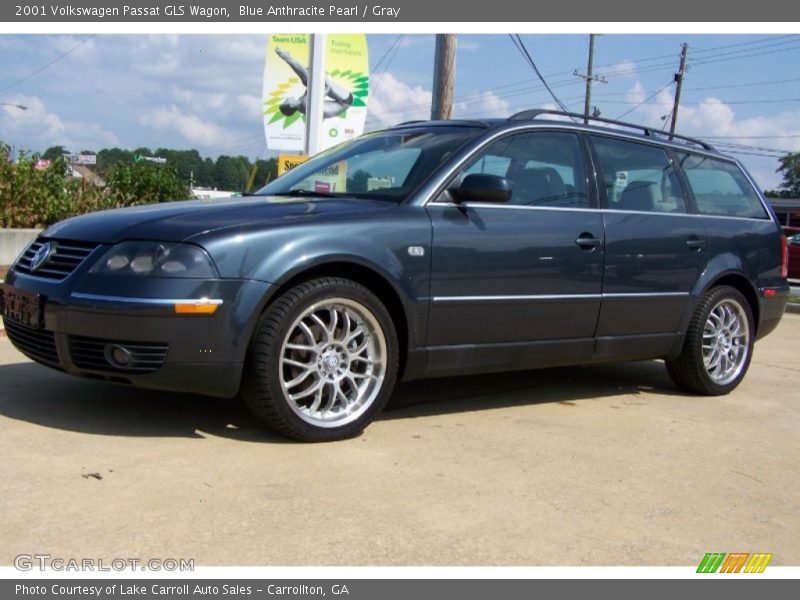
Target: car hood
[178, 221]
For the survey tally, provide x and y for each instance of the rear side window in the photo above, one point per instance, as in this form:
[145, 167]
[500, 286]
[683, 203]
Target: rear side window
[638, 177]
[720, 187]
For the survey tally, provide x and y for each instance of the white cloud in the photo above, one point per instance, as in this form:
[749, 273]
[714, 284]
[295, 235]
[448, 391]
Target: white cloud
[67, 43]
[718, 123]
[38, 123]
[622, 70]
[396, 101]
[482, 105]
[193, 128]
[250, 104]
[714, 118]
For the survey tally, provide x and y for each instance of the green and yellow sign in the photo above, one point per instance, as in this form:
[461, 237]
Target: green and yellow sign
[285, 90]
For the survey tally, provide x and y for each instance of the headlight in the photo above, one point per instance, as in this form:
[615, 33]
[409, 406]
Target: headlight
[156, 259]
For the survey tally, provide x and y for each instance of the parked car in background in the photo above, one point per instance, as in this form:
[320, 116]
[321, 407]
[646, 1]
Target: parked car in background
[424, 250]
[794, 257]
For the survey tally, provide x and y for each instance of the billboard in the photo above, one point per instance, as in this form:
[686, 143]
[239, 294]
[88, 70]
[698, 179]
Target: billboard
[81, 159]
[285, 79]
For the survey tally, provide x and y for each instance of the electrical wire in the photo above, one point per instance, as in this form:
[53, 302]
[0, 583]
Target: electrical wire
[50, 64]
[646, 100]
[524, 51]
[396, 47]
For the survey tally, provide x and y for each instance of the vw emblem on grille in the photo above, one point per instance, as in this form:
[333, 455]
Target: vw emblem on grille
[42, 255]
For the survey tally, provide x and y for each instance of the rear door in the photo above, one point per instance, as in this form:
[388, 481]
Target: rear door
[655, 249]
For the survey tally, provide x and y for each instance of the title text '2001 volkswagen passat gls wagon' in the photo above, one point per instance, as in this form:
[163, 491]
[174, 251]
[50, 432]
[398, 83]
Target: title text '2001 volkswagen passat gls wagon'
[428, 249]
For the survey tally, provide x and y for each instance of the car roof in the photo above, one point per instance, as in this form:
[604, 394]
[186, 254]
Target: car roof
[574, 121]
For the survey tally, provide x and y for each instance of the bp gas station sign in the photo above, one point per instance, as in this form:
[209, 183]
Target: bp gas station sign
[285, 90]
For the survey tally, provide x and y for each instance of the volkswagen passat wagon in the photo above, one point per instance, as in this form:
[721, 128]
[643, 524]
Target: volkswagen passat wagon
[425, 250]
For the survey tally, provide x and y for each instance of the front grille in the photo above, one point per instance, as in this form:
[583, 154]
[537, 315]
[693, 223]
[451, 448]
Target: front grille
[90, 353]
[38, 344]
[65, 258]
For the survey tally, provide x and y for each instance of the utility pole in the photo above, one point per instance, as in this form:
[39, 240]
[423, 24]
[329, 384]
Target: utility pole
[315, 93]
[679, 81]
[444, 72]
[590, 78]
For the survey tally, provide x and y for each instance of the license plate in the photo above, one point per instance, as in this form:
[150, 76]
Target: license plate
[22, 307]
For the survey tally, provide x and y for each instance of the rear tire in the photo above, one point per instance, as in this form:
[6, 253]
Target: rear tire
[718, 345]
[323, 361]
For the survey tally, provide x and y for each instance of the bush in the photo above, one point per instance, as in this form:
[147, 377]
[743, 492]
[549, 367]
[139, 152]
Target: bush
[37, 198]
[144, 183]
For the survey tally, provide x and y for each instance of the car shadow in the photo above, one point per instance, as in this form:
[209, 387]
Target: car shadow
[44, 397]
[565, 385]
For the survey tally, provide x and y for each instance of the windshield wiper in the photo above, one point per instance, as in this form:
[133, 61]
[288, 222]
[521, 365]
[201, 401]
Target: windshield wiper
[305, 193]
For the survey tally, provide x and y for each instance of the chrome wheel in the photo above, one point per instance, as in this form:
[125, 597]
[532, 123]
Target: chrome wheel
[333, 362]
[726, 341]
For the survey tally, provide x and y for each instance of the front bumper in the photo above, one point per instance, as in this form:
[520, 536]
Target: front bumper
[198, 353]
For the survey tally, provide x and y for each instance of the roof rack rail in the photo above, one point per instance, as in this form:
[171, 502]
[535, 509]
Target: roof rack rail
[648, 131]
[456, 122]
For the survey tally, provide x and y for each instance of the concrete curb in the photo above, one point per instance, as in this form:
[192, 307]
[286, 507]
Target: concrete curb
[793, 308]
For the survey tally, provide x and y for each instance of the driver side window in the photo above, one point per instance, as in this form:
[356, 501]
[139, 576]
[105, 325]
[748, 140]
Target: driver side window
[544, 168]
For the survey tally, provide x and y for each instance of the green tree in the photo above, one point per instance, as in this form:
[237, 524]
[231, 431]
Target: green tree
[144, 183]
[108, 157]
[231, 173]
[54, 152]
[266, 171]
[31, 197]
[790, 169]
[357, 182]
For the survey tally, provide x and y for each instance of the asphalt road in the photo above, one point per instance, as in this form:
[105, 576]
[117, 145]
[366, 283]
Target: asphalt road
[604, 465]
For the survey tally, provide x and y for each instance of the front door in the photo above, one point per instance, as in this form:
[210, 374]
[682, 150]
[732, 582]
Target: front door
[518, 284]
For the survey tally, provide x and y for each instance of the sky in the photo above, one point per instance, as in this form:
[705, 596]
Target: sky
[87, 92]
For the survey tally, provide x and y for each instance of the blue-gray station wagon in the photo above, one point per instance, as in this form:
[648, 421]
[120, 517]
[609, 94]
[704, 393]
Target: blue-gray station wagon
[428, 249]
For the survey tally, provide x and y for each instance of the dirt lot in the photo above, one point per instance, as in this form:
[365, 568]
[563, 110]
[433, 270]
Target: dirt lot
[587, 466]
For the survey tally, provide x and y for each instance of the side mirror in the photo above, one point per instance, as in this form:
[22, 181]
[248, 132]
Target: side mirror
[482, 188]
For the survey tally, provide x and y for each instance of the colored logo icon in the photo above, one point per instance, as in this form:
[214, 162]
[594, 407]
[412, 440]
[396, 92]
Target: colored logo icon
[736, 562]
[42, 255]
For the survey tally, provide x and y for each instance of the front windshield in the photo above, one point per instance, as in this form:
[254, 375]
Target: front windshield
[384, 166]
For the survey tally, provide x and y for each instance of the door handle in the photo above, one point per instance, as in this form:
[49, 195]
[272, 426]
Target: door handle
[587, 241]
[696, 243]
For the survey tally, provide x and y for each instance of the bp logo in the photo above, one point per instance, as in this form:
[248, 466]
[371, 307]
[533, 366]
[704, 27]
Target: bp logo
[343, 90]
[333, 132]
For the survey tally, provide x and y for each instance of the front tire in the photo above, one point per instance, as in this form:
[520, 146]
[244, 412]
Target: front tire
[718, 345]
[323, 361]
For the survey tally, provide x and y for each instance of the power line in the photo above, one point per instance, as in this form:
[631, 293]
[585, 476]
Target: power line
[763, 101]
[646, 100]
[396, 47]
[741, 56]
[770, 38]
[521, 47]
[50, 64]
[518, 88]
[751, 137]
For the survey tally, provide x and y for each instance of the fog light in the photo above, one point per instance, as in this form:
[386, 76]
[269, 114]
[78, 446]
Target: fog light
[118, 356]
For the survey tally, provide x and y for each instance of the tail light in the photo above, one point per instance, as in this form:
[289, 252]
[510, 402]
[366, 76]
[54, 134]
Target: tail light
[784, 256]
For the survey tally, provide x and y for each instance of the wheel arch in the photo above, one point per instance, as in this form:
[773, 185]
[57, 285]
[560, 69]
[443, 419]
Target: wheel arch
[732, 277]
[368, 276]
